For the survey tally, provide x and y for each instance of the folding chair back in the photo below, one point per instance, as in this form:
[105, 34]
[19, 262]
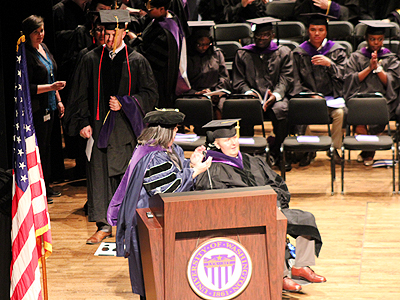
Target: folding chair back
[232, 31]
[367, 111]
[198, 112]
[249, 110]
[307, 111]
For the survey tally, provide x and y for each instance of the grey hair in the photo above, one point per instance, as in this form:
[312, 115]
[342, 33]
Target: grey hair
[156, 135]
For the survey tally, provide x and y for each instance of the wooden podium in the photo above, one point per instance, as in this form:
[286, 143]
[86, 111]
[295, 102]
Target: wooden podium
[182, 221]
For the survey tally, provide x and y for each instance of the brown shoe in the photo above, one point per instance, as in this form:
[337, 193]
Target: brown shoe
[290, 285]
[308, 274]
[98, 237]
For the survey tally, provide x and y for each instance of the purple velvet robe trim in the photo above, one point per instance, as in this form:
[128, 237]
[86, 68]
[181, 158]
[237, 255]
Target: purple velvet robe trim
[222, 158]
[310, 49]
[138, 154]
[334, 10]
[253, 48]
[134, 113]
[170, 25]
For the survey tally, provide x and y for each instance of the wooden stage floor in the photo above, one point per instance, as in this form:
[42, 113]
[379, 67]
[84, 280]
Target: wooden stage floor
[359, 231]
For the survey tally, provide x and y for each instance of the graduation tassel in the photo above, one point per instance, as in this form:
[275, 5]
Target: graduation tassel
[237, 129]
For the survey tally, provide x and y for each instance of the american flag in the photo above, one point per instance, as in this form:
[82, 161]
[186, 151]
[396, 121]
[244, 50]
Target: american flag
[30, 217]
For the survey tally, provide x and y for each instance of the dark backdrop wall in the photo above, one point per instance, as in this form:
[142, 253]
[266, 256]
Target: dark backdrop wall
[11, 15]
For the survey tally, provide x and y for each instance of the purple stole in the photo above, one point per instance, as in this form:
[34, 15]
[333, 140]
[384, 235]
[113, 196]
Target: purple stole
[182, 84]
[220, 157]
[253, 48]
[381, 52]
[311, 50]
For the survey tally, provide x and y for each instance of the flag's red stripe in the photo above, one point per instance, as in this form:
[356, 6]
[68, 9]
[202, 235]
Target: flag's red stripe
[31, 159]
[36, 189]
[40, 219]
[22, 235]
[17, 196]
[27, 278]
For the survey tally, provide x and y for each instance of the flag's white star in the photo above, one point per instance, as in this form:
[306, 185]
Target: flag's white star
[28, 128]
[19, 73]
[19, 86]
[18, 139]
[16, 113]
[19, 59]
[20, 152]
[17, 126]
[15, 99]
[22, 165]
[23, 178]
[21, 99]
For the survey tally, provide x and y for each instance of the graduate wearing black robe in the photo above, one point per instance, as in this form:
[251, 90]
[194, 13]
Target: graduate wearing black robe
[390, 63]
[207, 71]
[163, 51]
[89, 106]
[266, 69]
[245, 171]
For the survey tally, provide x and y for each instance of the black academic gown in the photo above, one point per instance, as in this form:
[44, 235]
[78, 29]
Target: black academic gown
[161, 50]
[273, 71]
[234, 12]
[82, 111]
[320, 79]
[371, 84]
[207, 71]
[256, 172]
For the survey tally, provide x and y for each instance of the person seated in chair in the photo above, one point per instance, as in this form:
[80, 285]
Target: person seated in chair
[233, 169]
[206, 67]
[373, 69]
[265, 69]
[319, 66]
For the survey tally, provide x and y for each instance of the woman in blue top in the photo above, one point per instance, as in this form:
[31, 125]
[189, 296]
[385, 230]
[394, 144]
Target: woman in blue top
[43, 88]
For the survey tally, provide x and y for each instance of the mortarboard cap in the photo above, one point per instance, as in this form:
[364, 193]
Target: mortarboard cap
[114, 18]
[164, 117]
[262, 23]
[223, 128]
[201, 28]
[376, 27]
[318, 18]
[197, 24]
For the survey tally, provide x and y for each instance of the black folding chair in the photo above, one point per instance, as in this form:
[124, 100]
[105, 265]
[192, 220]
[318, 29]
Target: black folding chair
[368, 111]
[198, 112]
[251, 114]
[308, 111]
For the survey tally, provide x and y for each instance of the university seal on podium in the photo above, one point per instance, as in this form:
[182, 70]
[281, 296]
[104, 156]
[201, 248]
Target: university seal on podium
[220, 268]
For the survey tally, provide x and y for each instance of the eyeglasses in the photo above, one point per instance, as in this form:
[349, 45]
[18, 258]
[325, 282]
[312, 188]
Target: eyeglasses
[203, 45]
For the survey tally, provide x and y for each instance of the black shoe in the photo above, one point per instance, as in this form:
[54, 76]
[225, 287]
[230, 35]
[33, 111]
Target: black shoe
[276, 161]
[52, 193]
[49, 201]
[307, 159]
